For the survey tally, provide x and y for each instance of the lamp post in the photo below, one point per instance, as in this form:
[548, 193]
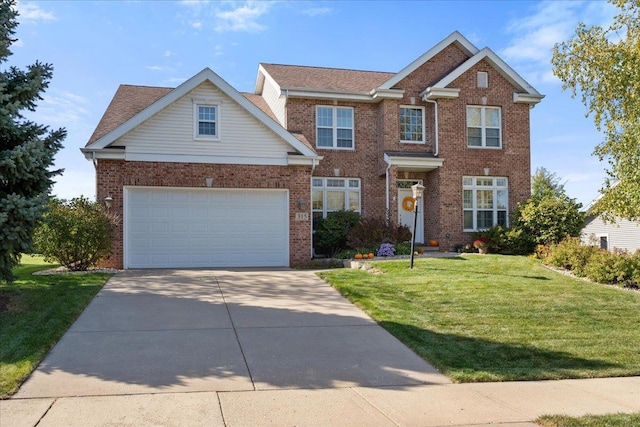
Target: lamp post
[417, 191]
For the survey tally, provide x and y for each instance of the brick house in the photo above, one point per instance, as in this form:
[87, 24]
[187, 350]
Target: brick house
[203, 175]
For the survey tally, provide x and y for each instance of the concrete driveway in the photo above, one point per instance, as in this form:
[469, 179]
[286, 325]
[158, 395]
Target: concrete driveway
[169, 331]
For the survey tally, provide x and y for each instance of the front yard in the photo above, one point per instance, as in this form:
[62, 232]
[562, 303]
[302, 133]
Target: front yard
[500, 318]
[35, 311]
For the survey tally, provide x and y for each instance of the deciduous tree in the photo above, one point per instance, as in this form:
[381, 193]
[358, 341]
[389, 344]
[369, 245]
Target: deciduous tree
[603, 66]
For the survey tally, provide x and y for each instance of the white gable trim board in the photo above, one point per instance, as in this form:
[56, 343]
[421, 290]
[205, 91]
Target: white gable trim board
[170, 227]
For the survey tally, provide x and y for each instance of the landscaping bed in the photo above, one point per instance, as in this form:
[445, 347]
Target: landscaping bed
[499, 318]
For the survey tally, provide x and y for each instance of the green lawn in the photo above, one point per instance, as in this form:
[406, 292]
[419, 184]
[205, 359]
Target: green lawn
[500, 318]
[615, 420]
[35, 311]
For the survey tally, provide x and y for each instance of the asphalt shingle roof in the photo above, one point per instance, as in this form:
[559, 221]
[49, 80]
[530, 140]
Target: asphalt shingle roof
[302, 77]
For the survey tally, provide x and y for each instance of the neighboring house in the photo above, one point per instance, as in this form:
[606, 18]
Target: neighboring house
[621, 235]
[204, 176]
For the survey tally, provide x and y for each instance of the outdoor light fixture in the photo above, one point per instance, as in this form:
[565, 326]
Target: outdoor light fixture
[417, 191]
[108, 201]
[301, 203]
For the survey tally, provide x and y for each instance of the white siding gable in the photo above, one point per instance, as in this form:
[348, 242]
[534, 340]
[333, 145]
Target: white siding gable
[271, 95]
[623, 235]
[169, 135]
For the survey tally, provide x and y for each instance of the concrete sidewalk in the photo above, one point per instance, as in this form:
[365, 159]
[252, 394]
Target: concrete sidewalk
[264, 347]
[514, 404]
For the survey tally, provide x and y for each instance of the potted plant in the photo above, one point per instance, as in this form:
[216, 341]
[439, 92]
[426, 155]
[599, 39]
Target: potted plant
[481, 244]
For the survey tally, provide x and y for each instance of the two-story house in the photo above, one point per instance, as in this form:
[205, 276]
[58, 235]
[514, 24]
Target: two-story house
[203, 175]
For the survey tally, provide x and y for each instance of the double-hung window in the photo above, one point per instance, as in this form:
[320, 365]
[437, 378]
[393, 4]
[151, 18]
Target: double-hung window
[334, 194]
[412, 125]
[484, 127]
[206, 123]
[484, 202]
[334, 127]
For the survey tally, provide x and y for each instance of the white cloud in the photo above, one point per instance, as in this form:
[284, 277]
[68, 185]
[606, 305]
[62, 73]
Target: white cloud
[242, 18]
[317, 11]
[169, 54]
[197, 25]
[62, 109]
[159, 68]
[551, 22]
[30, 11]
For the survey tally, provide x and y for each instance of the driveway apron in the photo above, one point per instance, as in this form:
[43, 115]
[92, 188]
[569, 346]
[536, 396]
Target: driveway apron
[167, 331]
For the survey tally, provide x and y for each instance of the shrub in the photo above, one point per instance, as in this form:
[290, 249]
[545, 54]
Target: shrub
[371, 232]
[572, 255]
[332, 231]
[619, 268]
[77, 233]
[403, 249]
[345, 254]
[549, 219]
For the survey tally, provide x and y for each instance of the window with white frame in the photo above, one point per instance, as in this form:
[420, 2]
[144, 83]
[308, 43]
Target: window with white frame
[484, 202]
[334, 127]
[206, 121]
[412, 125]
[334, 194]
[484, 127]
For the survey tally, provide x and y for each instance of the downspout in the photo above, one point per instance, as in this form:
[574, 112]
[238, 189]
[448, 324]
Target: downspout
[388, 211]
[435, 104]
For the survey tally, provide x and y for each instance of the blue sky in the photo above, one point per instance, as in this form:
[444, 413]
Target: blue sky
[95, 46]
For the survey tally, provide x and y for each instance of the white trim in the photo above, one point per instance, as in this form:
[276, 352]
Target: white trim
[196, 120]
[483, 128]
[298, 160]
[414, 163]
[424, 136]
[526, 98]
[205, 75]
[111, 154]
[431, 93]
[346, 189]
[335, 127]
[501, 66]
[606, 236]
[465, 45]
[494, 209]
[231, 160]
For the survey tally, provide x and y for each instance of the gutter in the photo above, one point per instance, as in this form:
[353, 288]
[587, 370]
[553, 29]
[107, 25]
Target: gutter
[435, 104]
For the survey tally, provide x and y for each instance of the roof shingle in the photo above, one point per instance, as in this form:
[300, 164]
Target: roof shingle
[302, 77]
[128, 101]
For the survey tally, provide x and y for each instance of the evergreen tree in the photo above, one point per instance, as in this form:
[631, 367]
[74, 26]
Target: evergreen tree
[26, 148]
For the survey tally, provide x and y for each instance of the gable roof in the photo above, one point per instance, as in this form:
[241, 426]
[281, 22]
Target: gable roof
[128, 101]
[329, 79]
[502, 67]
[110, 132]
[370, 86]
[453, 38]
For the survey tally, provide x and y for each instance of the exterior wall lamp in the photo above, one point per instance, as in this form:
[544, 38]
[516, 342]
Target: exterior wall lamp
[417, 191]
[108, 201]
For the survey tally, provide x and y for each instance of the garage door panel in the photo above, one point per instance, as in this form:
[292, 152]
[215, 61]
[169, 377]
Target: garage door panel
[205, 228]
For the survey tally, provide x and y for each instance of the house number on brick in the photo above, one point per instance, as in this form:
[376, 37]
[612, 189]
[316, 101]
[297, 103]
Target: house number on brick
[302, 216]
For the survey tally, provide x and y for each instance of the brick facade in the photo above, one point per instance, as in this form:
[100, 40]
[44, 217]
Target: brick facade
[114, 175]
[377, 130]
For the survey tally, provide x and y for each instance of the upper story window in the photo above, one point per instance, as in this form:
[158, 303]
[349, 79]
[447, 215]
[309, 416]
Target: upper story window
[484, 127]
[334, 127]
[484, 202]
[412, 125]
[483, 79]
[206, 124]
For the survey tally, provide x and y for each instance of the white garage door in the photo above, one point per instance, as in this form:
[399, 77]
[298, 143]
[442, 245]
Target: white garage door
[205, 228]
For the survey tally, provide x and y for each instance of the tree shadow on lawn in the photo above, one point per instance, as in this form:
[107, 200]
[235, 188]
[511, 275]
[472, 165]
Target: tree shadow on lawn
[469, 359]
[486, 273]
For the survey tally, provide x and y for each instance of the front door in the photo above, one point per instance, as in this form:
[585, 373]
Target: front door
[405, 216]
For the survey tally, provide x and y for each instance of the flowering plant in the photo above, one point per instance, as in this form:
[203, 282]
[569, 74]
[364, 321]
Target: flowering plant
[481, 242]
[386, 249]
